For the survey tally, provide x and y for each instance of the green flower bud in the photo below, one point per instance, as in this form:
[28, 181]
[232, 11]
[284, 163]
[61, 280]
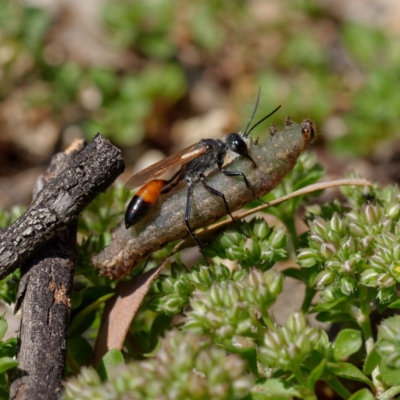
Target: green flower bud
[386, 239]
[333, 265]
[216, 294]
[386, 281]
[347, 285]
[181, 287]
[356, 228]
[386, 255]
[377, 262]
[330, 294]
[396, 252]
[303, 345]
[173, 304]
[369, 277]
[202, 276]
[328, 250]
[324, 278]
[278, 238]
[167, 285]
[353, 216]
[307, 258]
[235, 253]
[337, 224]
[315, 241]
[296, 322]
[365, 243]
[388, 345]
[272, 340]
[255, 277]
[275, 282]
[334, 237]
[219, 273]
[395, 270]
[252, 248]
[349, 247]
[231, 239]
[261, 229]
[313, 334]
[389, 329]
[348, 267]
[393, 210]
[232, 295]
[318, 226]
[393, 359]
[371, 214]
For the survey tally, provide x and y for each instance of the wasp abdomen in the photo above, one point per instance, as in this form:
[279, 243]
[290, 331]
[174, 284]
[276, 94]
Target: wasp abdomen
[141, 203]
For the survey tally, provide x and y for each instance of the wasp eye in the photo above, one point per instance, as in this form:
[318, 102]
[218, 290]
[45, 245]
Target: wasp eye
[308, 130]
[237, 144]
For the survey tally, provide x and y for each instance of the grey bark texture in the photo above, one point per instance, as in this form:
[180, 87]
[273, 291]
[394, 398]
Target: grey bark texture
[59, 203]
[46, 282]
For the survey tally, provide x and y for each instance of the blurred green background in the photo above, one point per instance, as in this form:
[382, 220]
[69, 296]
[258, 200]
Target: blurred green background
[161, 74]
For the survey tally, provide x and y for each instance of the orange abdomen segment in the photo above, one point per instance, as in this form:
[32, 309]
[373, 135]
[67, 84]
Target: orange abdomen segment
[141, 203]
[150, 192]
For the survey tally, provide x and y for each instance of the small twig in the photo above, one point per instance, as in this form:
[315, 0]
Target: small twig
[59, 203]
[308, 189]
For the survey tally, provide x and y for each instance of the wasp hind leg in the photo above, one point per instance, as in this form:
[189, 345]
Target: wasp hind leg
[215, 192]
[247, 183]
[187, 217]
[172, 182]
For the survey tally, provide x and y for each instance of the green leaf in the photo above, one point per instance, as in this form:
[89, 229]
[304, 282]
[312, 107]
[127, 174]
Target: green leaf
[74, 328]
[4, 394]
[159, 326]
[395, 304]
[6, 363]
[328, 306]
[3, 327]
[274, 389]
[316, 374]
[363, 394]
[247, 353]
[8, 348]
[111, 359]
[371, 361]
[390, 376]
[80, 349]
[348, 342]
[76, 300]
[348, 371]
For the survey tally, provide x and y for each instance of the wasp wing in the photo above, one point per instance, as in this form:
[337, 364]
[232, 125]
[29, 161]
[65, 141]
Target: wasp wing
[161, 167]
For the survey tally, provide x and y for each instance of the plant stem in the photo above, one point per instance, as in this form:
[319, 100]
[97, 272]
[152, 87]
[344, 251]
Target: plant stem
[309, 295]
[335, 384]
[365, 325]
[292, 233]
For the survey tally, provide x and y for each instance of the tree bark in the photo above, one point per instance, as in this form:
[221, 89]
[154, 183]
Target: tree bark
[46, 283]
[45, 293]
[59, 203]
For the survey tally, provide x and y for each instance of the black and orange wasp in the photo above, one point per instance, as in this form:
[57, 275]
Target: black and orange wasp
[194, 162]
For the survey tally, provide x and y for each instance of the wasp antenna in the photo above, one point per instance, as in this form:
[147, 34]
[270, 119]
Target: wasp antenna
[263, 119]
[245, 134]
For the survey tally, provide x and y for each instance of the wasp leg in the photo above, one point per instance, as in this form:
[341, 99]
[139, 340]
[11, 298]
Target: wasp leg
[215, 192]
[172, 182]
[187, 217]
[238, 173]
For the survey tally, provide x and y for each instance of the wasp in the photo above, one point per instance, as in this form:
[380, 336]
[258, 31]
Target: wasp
[195, 162]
